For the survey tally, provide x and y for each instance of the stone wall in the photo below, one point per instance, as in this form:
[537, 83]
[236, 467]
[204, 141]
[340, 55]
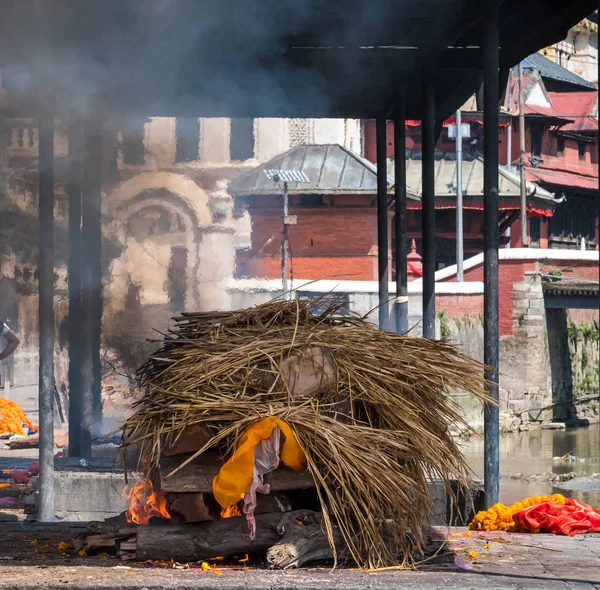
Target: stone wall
[524, 363]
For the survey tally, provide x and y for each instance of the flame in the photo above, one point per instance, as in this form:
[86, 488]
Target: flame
[144, 503]
[231, 511]
[245, 559]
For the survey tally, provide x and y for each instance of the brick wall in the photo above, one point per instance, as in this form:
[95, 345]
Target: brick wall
[311, 267]
[511, 272]
[459, 306]
[325, 243]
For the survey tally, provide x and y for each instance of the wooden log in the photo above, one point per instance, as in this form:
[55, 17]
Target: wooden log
[205, 540]
[198, 475]
[192, 507]
[190, 440]
[304, 540]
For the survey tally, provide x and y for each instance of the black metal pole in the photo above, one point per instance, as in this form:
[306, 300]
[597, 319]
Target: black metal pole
[74, 275]
[428, 203]
[382, 222]
[400, 225]
[491, 93]
[91, 287]
[45, 506]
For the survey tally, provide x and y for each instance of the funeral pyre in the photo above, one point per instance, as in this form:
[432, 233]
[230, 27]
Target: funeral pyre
[359, 415]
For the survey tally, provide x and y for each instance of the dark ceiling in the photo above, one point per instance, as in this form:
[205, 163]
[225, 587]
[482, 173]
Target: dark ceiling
[269, 58]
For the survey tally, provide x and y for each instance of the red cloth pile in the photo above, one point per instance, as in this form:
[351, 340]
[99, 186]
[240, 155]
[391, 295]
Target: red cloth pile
[569, 518]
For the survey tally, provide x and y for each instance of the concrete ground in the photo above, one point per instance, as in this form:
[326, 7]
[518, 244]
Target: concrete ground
[30, 558]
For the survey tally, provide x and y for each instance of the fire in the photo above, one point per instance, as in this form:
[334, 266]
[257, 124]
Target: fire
[231, 511]
[144, 503]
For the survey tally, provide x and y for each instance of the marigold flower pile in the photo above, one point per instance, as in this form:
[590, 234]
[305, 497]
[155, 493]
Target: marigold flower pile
[12, 418]
[500, 517]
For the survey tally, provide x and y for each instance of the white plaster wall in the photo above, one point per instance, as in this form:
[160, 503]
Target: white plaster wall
[160, 142]
[537, 97]
[272, 138]
[214, 140]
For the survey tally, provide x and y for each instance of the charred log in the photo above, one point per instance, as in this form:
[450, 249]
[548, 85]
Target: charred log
[205, 540]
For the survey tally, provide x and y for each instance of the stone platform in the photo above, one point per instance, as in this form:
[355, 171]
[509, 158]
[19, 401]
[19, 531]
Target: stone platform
[512, 562]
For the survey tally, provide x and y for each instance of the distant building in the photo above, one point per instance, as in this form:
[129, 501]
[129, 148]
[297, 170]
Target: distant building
[578, 53]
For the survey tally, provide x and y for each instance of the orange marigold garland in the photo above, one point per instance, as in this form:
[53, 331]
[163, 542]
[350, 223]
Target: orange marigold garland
[12, 418]
[500, 517]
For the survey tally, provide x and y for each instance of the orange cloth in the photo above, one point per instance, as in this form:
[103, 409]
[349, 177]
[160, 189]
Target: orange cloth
[560, 519]
[233, 480]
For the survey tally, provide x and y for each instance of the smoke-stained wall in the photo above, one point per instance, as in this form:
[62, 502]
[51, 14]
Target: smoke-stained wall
[170, 231]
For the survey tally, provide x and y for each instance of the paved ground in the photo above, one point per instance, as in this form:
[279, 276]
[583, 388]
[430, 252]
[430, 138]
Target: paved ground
[512, 562]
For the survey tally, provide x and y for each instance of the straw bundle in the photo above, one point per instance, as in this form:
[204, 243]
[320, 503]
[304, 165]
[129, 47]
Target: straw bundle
[371, 467]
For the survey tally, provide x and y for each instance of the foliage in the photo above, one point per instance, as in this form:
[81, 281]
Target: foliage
[444, 325]
[556, 272]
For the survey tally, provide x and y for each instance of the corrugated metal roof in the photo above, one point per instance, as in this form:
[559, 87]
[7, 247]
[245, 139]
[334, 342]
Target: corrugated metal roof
[581, 106]
[330, 168]
[534, 109]
[549, 69]
[567, 180]
[472, 177]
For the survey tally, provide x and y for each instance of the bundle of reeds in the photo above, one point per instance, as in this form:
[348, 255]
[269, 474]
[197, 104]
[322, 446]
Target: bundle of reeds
[371, 464]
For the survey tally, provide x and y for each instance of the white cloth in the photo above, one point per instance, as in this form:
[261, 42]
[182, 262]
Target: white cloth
[266, 459]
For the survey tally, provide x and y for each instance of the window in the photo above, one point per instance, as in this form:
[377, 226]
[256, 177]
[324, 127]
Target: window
[537, 132]
[177, 279]
[534, 231]
[299, 132]
[241, 146]
[187, 136]
[560, 146]
[133, 141]
[582, 148]
[321, 302]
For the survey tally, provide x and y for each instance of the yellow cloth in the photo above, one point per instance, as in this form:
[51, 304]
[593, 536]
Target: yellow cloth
[233, 480]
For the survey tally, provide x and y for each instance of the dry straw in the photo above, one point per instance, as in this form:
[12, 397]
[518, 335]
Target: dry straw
[372, 463]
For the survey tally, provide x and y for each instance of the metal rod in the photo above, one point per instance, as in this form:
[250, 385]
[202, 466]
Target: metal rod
[400, 223]
[523, 184]
[459, 201]
[509, 146]
[382, 221]
[491, 88]
[74, 274]
[428, 203]
[45, 507]
[285, 245]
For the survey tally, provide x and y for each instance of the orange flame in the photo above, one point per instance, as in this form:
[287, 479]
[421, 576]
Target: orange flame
[231, 511]
[144, 503]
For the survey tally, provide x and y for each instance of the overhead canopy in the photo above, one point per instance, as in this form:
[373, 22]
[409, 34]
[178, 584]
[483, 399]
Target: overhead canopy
[330, 169]
[262, 58]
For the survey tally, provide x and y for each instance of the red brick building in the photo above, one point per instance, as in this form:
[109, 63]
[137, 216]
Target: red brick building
[561, 154]
[335, 227]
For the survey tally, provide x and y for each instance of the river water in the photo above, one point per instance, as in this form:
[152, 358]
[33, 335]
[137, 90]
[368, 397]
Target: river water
[533, 453]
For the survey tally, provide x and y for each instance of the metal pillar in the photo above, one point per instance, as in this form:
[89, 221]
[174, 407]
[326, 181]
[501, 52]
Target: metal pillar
[382, 222]
[428, 203]
[285, 245]
[74, 274]
[46, 318]
[523, 183]
[91, 287]
[459, 200]
[400, 224]
[491, 89]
